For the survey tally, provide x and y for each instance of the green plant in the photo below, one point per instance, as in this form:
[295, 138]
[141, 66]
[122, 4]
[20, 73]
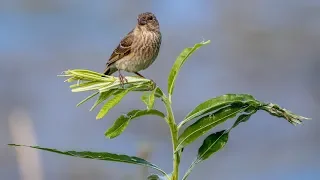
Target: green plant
[206, 115]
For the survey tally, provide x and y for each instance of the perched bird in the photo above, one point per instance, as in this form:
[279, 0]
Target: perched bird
[138, 49]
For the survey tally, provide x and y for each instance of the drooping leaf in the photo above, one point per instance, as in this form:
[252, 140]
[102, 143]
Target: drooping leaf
[206, 123]
[87, 98]
[123, 121]
[181, 59]
[245, 117]
[105, 156]
[212, 144]
[217, 103]
[102, 97]
[216, 141]
[111, 103]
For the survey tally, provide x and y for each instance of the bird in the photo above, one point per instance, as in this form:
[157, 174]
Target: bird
[138, 49]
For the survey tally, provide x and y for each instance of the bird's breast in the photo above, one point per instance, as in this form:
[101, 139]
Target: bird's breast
[144, 51]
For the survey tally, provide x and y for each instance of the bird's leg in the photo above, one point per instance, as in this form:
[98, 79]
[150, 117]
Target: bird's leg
[139, 75]
[122, 78]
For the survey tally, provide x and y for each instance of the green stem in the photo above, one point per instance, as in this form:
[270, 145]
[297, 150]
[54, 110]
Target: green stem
[174, 136]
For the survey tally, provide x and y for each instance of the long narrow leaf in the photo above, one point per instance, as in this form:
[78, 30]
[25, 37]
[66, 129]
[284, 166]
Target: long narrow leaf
[105, 156]
[88, 86]
[217, 103]
[111, 103]
[86, 71]
[87, 98]
[245, 117]
[123, 121]
[206, 123]
[88, 76]
[210, 145]
[181, 59]
[102, 97]
[216, 141]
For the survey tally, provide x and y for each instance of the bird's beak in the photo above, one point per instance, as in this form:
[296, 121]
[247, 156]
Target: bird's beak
[142, 21]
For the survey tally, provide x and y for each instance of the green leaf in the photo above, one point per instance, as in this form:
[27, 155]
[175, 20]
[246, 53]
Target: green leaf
[88, 72]
[244, 117]
[156, 177]
[71, 79]
[111, 103]
[206, 123]
[217, 103]
[123, 121]
[87, 98]
[102, 97]
[158, 92]
[88, 86]
[216, 141]
[133, 82]
[181, 59]
[148, 98]
[88, 75]
[105, 156]
[212, 144]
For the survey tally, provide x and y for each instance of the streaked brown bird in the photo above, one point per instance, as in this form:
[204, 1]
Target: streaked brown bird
[138, 49]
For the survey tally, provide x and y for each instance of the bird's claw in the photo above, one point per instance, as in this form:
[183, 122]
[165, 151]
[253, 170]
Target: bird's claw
[122, 80]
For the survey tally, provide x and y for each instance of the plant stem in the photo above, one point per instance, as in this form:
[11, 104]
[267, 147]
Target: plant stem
[174, 136]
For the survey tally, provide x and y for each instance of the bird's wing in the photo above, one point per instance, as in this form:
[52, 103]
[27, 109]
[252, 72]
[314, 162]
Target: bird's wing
[123, 49]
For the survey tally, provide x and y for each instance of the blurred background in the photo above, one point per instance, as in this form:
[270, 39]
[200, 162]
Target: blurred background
[268, 48]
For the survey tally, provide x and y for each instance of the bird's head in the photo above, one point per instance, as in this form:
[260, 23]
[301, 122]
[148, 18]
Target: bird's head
[148, 21]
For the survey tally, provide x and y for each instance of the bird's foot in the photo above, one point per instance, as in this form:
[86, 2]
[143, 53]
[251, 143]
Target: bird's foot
[122, 79]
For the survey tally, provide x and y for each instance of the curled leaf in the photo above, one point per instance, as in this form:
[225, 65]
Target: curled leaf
[277, 111]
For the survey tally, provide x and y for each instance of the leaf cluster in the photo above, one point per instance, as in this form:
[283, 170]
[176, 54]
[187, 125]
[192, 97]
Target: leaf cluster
[203, 118]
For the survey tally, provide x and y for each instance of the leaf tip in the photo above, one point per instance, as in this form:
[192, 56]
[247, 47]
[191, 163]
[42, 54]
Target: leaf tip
[206, 42]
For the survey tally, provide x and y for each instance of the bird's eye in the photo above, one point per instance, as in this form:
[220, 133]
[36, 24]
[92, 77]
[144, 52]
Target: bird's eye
[150, 18]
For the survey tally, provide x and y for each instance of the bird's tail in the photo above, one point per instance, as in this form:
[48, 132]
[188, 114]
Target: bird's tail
[109, 71]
